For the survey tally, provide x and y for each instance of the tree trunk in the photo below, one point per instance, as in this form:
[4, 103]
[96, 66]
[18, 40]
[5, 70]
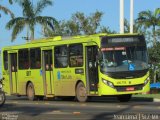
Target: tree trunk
[27, 39]
[32, 34]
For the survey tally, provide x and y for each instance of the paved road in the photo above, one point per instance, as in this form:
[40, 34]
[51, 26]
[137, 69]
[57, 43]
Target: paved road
[96, 109]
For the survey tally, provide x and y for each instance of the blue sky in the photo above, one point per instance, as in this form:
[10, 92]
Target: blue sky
[63, 9]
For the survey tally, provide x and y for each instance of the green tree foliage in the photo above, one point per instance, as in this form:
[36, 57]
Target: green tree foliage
[154, 53]
[150, 23]
[154, 60]
[104, 29]
[31, 16]
[137, 28]
[79, 24]
[88, 24]
[6, 10]
[63, 28]
[150, 20]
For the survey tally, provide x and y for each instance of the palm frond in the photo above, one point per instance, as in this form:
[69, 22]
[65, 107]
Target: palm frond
[157, 13]
[145, 18]
[145, 14]
[45, 20]
[17, 29]
[15, 21]
[41, 5]
[27, 7]
[6, 11]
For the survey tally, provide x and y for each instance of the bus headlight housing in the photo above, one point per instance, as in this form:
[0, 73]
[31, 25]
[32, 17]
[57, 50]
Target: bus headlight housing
[108, 83]
[146, 81]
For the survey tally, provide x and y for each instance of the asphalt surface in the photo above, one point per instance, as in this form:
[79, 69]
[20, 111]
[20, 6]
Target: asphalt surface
[19, 108]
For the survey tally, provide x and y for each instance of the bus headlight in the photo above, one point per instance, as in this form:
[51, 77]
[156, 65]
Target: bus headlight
[108, 83]
[146, 81]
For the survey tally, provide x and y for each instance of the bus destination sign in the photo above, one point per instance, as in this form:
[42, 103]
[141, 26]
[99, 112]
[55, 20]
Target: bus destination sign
[123, 40]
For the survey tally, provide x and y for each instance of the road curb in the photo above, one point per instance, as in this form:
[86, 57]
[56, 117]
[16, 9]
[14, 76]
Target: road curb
[156, 100]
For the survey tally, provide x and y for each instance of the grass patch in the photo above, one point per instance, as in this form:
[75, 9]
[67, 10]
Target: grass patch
[148, 95]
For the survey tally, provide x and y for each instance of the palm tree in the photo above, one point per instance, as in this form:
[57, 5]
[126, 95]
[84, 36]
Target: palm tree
[6, 10]
[31, 16]
[150, 19]
[157, 11]
[137, 28]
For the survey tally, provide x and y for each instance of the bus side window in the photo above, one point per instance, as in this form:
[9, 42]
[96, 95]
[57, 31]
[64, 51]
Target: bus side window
[35, 58]
[5, 60]
[61, 56]
[23, 59]
[76, 55]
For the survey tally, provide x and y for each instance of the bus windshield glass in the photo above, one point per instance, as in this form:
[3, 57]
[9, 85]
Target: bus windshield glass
[124, 58]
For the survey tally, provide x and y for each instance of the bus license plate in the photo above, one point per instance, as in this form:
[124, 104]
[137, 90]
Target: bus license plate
[129, 88]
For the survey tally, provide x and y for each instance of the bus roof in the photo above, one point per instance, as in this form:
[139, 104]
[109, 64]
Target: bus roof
[60, 38]
[57, 38]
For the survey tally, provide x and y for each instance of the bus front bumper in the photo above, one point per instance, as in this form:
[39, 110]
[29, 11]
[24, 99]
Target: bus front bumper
[119, 90]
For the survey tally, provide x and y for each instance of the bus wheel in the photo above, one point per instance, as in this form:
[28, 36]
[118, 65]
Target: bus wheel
[2, 98]
[30, 92]
[124, 98]
[81, 93]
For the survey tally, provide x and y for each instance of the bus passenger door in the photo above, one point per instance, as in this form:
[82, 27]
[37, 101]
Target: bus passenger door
[13, 72]
[91, 68]
[47, 69]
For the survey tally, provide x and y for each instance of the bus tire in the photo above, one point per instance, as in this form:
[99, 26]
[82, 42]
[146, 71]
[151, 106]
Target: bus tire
[30, 92]
[81, 92]
[124, 98]
[2, 98]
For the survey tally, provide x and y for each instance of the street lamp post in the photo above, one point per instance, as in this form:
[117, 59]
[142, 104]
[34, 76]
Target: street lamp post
[131, 16]
[121, 16]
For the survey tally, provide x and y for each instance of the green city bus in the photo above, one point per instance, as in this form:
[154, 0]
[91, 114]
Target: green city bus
[80, 67]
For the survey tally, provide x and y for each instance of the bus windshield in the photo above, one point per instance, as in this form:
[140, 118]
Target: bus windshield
[124, 59]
